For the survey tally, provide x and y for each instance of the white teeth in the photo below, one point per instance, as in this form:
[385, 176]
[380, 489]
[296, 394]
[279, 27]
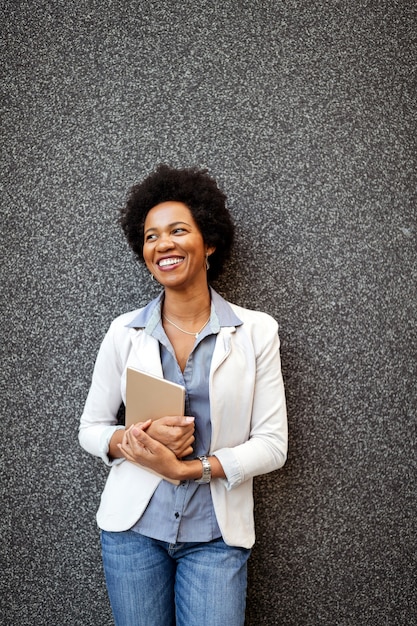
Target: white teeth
[165, 262]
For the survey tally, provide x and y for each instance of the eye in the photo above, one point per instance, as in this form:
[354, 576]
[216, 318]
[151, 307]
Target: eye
[179, 230]
[150, 237]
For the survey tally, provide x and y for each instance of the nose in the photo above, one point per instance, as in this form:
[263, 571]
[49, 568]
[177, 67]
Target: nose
[165, 242]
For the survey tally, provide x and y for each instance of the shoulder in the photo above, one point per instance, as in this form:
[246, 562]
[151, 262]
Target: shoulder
[258, 333]
[251, 317]
[248, 317]
[258, 328]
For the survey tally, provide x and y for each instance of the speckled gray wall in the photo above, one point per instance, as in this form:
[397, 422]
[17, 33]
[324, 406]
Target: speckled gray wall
[305, 111]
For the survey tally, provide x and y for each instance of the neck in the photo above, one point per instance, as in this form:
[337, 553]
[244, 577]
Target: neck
[188, 307]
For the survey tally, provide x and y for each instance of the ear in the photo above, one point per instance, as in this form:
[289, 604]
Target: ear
[210, 250]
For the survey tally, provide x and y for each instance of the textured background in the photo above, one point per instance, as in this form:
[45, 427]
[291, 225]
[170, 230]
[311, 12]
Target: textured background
[305, 111]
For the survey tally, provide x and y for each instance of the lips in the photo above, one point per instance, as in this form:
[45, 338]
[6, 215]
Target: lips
[171, 261]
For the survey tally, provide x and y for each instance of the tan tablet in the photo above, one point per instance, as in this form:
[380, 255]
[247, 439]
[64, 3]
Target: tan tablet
[151, 397]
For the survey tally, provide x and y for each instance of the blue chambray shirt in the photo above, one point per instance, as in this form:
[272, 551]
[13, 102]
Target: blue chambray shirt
[185, 512]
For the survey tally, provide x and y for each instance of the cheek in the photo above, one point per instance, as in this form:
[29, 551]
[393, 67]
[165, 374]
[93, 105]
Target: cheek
[146, 253]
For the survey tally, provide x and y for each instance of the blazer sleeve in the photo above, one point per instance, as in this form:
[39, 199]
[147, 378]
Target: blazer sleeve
[265, 449]
[99, 418]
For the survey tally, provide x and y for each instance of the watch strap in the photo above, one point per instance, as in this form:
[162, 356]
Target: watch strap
[206, 475]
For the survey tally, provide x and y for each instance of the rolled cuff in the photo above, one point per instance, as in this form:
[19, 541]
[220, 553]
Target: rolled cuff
[231, 466]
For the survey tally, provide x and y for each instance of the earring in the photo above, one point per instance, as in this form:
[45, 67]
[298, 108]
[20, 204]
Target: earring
[152, 276]
[207, 262]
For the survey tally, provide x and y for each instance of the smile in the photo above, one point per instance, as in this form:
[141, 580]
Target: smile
[169, 262]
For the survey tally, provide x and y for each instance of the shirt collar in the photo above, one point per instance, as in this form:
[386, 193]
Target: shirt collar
[222, 314]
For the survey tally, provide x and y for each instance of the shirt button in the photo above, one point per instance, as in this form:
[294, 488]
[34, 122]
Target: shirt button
[177, 515]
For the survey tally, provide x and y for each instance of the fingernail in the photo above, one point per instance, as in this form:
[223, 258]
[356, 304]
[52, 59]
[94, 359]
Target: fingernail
[189, 419]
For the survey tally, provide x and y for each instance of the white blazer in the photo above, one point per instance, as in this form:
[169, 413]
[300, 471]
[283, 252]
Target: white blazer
[248, 418]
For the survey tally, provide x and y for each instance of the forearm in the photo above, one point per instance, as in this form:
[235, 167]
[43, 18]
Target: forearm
[192, 470]
[114, 449]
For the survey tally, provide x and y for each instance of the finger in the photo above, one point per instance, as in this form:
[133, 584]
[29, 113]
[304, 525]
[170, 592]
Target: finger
[187, 448]
[181, 454]
[133, 450]
[178, 420]
[124, 449]
[133, 443]
[139, 436]
[141, 425]
[130, 444]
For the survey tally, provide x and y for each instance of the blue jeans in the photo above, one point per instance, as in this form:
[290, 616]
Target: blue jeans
[154, 583]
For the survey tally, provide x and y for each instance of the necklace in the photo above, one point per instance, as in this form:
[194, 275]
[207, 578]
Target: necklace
[187, 332]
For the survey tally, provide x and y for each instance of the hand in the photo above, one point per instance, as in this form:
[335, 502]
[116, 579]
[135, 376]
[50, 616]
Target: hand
[175, 432]
[138, 447]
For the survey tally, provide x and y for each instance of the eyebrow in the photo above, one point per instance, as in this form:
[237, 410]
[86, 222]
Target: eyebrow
[169, 226]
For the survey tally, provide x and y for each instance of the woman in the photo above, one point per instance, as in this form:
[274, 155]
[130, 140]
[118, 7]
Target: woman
[176, 554]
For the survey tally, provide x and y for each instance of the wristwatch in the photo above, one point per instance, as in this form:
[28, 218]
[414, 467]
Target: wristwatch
[206, 475]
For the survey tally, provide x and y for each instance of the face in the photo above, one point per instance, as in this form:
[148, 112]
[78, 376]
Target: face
[174, 249]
